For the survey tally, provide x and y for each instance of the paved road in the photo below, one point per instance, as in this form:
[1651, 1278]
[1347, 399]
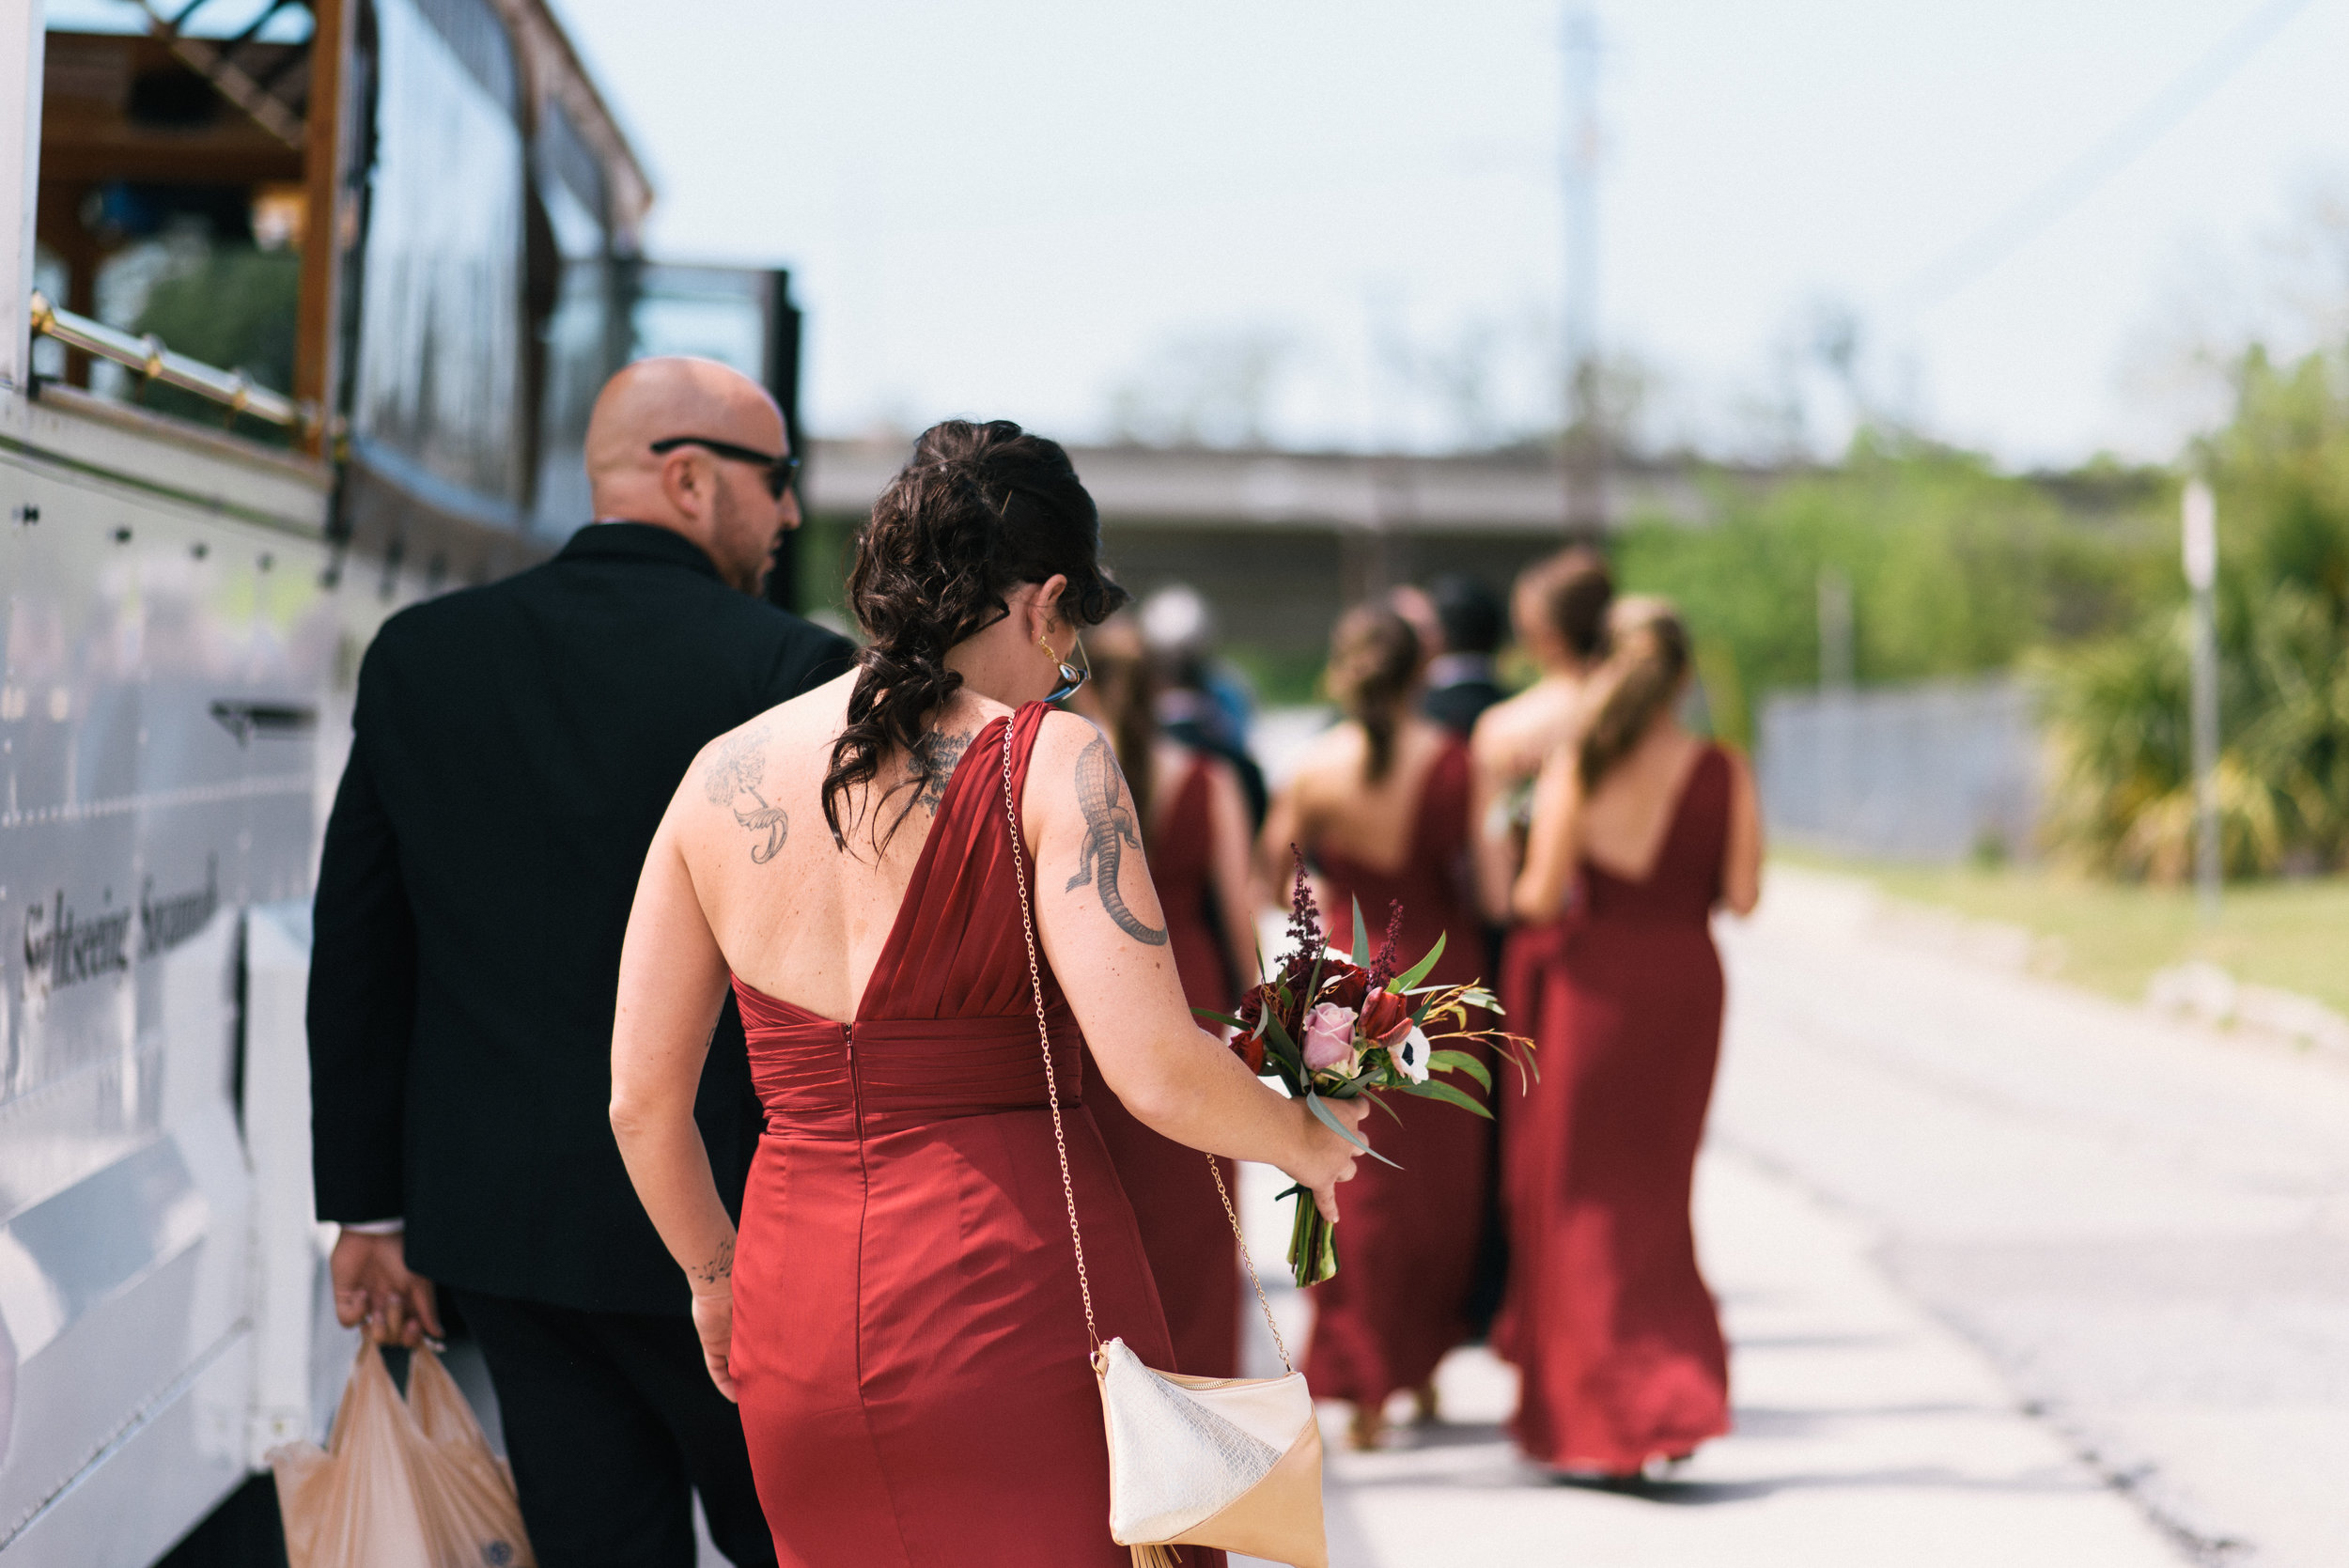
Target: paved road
[1868, 1435]
[2146, 1227]
[2013, 1276]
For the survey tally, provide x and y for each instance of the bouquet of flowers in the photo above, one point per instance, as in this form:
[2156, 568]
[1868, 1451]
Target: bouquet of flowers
[1339, 1026]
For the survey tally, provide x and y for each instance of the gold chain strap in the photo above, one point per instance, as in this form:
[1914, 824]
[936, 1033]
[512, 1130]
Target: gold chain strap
[1215, 1169]
[1052, 1090]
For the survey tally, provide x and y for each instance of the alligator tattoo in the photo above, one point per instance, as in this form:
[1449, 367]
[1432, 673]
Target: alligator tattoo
[1109, 827]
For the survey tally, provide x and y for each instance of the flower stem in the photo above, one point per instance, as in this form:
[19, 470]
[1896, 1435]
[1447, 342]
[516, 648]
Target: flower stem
[1313, 1243]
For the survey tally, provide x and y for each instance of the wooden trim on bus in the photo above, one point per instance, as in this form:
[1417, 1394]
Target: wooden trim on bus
[317, 316]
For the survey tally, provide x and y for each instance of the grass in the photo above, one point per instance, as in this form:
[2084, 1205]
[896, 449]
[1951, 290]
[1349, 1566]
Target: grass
[1283, 677]
[2293, 934]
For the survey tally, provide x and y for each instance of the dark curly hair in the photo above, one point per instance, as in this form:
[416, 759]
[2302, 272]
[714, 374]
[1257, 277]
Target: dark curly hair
[981, 508]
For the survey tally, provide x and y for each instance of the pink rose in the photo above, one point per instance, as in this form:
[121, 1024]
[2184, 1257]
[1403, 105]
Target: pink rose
[1328, 1036]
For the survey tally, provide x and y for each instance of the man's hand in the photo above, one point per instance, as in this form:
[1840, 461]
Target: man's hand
[373, 1286]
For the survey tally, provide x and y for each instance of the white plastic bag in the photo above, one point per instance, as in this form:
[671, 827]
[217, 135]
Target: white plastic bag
[401, 1483]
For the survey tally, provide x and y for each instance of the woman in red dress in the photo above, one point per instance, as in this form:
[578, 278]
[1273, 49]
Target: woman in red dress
[1557, 607]
[1379, 807]
[1646, 829]
[903, 1326]
[1196, 825]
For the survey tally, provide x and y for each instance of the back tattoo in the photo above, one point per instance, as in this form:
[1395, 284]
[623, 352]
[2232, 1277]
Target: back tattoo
[736, 770]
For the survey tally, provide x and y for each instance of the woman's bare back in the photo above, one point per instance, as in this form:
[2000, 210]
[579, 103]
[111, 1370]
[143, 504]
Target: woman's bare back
[796, 915]
[1626, 818]
[1333, 805]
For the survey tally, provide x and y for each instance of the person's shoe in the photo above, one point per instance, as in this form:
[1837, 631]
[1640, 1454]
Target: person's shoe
[1425, 1408]
[1601, 1481]
[1369, 1429]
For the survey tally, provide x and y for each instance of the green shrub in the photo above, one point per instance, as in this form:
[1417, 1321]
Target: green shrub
[2124, 797]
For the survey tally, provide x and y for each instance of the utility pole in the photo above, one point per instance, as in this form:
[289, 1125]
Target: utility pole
[1583, 449]
[2202, 575]
[1837, 665]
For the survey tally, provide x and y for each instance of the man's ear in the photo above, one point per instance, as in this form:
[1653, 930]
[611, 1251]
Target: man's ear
[681, 482]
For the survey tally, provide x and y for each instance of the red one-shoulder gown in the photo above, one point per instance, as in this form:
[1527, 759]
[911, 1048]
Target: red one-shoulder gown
[1408, 1238]
[1184, 1230]
[1608, 1320]
[908, 1341]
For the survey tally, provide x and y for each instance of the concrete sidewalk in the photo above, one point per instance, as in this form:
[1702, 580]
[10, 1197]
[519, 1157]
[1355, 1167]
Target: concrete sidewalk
[1868, 1435]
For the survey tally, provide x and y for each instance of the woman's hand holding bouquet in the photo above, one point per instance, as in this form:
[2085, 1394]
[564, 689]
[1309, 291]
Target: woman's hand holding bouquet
[1334, 1026]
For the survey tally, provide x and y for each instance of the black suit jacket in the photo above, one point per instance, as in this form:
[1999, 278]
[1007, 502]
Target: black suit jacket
[1458, 706]
[515, 748]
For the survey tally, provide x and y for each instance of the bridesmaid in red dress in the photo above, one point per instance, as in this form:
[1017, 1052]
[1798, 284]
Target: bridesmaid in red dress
[903, 1326]
[1646, 829]
[1380, 808]
[1196, 829]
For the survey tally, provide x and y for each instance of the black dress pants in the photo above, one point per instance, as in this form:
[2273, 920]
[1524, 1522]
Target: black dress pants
[612, 1425]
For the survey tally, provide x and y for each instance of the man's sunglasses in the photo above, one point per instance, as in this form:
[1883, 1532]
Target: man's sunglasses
[778, 470]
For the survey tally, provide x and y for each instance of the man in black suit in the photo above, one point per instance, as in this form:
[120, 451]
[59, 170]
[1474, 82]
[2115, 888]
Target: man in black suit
[1460, 685]
[515, 746]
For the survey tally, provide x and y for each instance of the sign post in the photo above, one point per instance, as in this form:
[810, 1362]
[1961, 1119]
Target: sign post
[2201, 575]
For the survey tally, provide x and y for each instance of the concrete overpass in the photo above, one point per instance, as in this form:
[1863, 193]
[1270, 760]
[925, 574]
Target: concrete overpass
[1281, 542]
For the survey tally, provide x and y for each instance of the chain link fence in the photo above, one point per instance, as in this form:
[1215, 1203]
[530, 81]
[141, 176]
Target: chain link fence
[1941, 771]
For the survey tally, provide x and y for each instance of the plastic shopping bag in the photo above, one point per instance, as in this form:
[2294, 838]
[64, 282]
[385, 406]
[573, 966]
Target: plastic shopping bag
[401, 1483]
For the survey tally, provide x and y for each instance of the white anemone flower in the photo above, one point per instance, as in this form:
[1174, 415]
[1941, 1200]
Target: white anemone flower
[1411, 1055]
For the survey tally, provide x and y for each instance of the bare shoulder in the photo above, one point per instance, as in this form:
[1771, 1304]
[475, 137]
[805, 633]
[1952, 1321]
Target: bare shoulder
[1499, 726]
[1514, 735]
[1336, 753]
[1065, 738]
[1733, 757]
[740, 784]
[738, 758]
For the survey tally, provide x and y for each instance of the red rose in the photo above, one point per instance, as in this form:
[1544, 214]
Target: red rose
[1384, 1015]
[1344, 985]
[1249, 1048]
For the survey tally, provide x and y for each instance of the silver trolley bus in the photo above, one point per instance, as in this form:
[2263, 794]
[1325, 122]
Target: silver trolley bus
[300, 323]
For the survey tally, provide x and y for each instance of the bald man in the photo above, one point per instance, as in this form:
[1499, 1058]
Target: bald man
[514, 747]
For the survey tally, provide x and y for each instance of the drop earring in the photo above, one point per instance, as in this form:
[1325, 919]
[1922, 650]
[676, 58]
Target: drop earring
[1071, 676]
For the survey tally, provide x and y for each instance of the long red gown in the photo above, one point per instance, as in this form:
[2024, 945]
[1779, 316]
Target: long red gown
[1406, 1238]
[908, 1341]
[1609, 1321]
[1184, 1230]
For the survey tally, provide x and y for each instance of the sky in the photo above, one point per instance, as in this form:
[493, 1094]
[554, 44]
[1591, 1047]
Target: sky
[1340, 224]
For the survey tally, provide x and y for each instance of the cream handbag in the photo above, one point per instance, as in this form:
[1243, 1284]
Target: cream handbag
[1233, 1463]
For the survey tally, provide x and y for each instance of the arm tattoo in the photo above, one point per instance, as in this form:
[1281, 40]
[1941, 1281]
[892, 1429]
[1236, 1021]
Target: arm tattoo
[734, 771]
[935, 758]
[717, 1268]
[1109, 827]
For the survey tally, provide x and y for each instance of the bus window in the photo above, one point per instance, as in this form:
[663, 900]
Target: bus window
[579, 345]
[438, 388]
[164, 207]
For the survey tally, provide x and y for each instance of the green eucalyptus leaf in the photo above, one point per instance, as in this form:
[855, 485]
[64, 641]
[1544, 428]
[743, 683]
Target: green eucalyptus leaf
[1361, 936]
[1329, 1120]
[1419, 970]
[1445, 1092]
[1460, 1060]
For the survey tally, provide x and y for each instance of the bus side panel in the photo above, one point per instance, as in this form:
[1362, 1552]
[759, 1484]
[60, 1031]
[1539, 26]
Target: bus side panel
[173, 709]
